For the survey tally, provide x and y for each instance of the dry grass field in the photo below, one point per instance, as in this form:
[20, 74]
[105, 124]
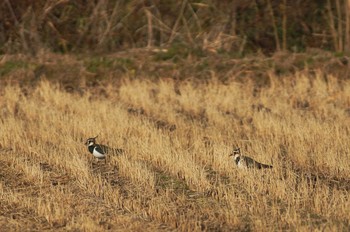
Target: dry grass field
[176, 173]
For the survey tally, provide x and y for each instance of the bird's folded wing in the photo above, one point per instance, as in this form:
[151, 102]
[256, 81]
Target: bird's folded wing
[101, 149]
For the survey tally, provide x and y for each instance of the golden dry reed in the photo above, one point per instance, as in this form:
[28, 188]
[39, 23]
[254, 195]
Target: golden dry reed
[176, 172]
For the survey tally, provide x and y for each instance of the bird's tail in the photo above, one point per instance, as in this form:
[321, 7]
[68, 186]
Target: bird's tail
[265, 166]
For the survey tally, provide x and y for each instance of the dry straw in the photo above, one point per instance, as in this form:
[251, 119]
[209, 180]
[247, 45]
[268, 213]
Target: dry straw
[178, 176]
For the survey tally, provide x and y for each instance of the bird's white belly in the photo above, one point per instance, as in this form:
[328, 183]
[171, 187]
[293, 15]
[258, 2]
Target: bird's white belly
[98, 155]
[241, 165]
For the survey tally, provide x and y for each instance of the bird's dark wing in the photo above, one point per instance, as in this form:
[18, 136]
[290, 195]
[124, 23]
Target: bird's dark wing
[108, 150]
[251, 163]
[101, 149]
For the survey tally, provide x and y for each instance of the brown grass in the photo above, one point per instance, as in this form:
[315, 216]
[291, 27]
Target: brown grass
[215, 26]
[176, 173]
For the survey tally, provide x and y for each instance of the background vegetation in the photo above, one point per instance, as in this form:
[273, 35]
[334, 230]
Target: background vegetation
[238, 27]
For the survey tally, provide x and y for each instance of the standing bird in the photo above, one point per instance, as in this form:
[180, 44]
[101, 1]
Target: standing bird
[100, 151]
[245, 161]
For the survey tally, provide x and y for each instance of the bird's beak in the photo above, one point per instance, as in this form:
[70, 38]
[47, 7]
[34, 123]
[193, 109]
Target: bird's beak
[231, 154]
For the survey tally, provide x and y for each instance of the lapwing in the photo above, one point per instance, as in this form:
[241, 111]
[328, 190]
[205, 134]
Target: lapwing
[100, 151]
[244, 162]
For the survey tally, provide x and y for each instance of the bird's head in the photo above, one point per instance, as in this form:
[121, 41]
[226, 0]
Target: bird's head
[90, 141]
[236, 153]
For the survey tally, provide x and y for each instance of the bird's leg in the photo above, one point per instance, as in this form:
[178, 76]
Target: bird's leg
[91, 163]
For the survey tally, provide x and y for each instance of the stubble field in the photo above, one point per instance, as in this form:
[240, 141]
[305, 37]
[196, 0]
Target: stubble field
[176, 173]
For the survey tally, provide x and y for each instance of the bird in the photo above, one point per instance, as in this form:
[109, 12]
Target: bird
[244, 162]
[100, 151]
